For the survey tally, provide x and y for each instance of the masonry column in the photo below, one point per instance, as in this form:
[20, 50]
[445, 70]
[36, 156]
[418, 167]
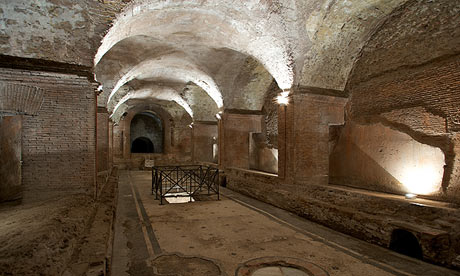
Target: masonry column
[309, 114]
[102, 140]
[204, 135]
[110, 151]
[10, 152]
[236, 128]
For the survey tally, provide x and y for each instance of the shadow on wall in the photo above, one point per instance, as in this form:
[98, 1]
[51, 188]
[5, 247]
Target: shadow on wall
[376, 157]
[261, 157]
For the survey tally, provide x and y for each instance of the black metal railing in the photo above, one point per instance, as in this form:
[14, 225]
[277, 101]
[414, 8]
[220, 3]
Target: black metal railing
[184, 181]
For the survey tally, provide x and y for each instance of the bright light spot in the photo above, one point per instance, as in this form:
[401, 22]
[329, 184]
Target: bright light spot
[190, 126]
[100, 88]
[421, 180]
[411, 196]
[218, 116]
[283, 98]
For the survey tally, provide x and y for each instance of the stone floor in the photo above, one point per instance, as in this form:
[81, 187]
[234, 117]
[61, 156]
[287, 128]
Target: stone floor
[223, 237]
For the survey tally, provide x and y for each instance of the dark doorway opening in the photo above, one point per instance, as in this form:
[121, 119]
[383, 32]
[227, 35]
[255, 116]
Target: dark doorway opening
[404, 242]
[142, 145]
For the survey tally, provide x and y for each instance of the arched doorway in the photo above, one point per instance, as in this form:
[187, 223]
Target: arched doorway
[404, 242]
[147, 133]
[142, 145]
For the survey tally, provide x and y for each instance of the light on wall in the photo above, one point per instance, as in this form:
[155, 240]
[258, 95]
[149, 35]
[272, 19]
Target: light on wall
[283, 98]
[219, 115]
[422, 180]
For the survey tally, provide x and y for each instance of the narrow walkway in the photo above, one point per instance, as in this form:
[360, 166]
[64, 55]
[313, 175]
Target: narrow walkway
[223, 235]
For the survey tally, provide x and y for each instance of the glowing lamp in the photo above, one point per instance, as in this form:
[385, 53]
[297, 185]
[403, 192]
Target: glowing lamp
[283, 98]
[218, 116]
[411, 196]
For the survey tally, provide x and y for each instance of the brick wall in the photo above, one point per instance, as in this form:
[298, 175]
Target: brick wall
[10, 152]
[435, 86]
[102, 141]
[236, 129]
[308, 135]
[59, 143]
[422, 101]
[203, 134]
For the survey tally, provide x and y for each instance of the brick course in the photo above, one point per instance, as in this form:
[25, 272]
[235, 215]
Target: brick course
[58, 144]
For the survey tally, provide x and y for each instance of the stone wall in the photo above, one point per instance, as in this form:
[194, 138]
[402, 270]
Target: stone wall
[407, 78]
[58, 150]
[366, 215]
[434, 86]
[376, 157]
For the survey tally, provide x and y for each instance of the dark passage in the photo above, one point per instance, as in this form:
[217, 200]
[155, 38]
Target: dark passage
[406, 243]
[142, 145]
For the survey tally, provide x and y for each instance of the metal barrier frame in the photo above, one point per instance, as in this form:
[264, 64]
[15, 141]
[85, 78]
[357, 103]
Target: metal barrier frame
[189, 180]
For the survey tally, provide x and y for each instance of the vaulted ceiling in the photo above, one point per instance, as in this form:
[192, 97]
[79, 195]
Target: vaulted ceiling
[210, 55]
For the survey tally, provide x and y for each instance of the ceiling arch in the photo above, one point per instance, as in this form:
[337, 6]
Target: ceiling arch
[171, 69]
[156, 93]
[253, 28]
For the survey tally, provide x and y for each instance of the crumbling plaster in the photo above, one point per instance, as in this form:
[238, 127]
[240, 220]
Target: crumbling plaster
[406, 77]
[58, 30]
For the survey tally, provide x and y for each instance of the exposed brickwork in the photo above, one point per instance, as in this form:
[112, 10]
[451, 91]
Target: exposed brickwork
[418, 119]
[204, 136]
[102, 142]
[366, 215]
[20, 99]
[236, 138]
[59, 143]
[309, 132]
[436, 86]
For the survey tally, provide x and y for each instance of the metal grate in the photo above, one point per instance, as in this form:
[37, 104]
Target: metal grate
[184, 181]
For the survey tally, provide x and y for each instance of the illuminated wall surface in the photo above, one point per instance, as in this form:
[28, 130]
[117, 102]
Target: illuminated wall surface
[387, 160]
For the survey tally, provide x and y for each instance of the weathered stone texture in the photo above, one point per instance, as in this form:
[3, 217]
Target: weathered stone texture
[366, 215]
[59, 143]
[58, 30]
[418, 32]
[375, 157]
[418, 119]
[434, 86]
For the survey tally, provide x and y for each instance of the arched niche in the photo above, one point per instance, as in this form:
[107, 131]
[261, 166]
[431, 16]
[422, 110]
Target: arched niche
[142, 145]
[147, 128]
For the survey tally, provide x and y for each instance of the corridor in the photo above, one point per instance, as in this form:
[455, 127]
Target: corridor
[220, 237]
